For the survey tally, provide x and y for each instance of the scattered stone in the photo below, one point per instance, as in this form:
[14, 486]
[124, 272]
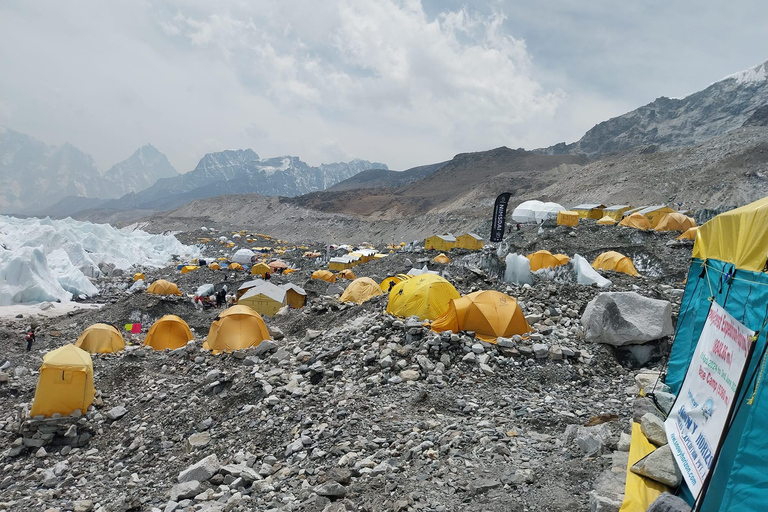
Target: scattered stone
[659, 465]
[116, 413]
[669, 503]
[184, 490]
[201, 471]
[331, 489]
[653, 428]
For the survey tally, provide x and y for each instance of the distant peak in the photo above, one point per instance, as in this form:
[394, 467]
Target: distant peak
[754, 74]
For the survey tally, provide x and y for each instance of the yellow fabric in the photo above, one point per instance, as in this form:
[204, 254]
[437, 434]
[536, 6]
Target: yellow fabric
[438, 244]
[324, 275]
[612, 260]
[655, 216]
[468, 242]
[163, 287]
[100, 339]
[261, 303]
[214, 266]
[489, 313]
[567, 218]
[384, 286]
[616, 214]
[562, 258]
[139, 275]
[346, 274]
[689, 234]
[675, 222]
[426, 296]
[545, 259]
[221, 259]
[260, 269]
[335, 265]
[361, 290]
[236, 328]
[235, 266]
[188, 268]
[639, 491]
[169, 332]
[737, 236]
[289, 271]
[65, 383]
[295, 299]
[636, 220]
[441, 258]
[607, 220]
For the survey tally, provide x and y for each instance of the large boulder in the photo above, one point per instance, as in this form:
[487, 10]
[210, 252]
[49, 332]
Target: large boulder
[659, 465]
[626, 318]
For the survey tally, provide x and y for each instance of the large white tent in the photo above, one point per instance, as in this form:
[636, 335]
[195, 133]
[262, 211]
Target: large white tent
[535, 211]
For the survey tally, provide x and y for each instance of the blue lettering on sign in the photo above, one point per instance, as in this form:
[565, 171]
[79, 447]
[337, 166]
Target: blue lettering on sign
[706, 452]
[687, 420]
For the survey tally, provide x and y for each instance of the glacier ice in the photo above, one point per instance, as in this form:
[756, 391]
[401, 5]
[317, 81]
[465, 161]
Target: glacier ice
[585, 274]
[50, 260]
[518, 269]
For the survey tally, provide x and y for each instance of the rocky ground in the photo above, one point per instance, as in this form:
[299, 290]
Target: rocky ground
[347, 408]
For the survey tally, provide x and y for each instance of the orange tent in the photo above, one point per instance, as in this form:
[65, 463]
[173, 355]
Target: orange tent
[346, 274]
[612, 260]
[488, 313]
[236, 328]
[675, 222]
[169, 332]
[636, 220]
[545, 259]
[441, 258]
[324, 275]
[163, 287]
[689, 234]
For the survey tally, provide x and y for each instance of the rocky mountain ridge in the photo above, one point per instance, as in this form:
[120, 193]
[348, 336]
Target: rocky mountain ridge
[34, 175]
[674, 122]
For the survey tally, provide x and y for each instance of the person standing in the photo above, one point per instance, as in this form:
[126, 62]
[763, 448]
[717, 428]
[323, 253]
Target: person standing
[30, 338]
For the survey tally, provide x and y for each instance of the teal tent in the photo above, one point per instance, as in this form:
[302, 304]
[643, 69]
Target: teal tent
[728, 267]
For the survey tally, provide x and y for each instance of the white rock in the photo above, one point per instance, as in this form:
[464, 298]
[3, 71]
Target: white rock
[625, 318]
[201, 471]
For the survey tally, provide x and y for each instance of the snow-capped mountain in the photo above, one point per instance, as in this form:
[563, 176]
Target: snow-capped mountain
[242, 171]
[34, 175]
[140, 170]
[667, 122]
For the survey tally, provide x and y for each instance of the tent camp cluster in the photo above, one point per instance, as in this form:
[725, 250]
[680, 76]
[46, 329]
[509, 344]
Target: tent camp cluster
[656, 217]
[447, 242]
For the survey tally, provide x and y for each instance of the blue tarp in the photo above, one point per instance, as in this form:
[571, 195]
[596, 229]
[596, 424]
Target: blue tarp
[740, 477]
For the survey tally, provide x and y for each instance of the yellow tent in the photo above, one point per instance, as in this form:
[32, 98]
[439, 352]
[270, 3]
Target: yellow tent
[214, 266]
[545, 259]
[384, 286]
[639, 491]
[562, 258]
[441, 258]
[426, 296]
[221, 259]
[346, 274]
[169, 332]
[188, 268]
[295, 296]
[489, 313]
[636, 220]
[236, 328]
[139, 275]
[235, 266]
[469, 241]
[440, 242]
[324, 275]
[567, 218]
[260, 269]
[675, 222]
[612, 260]
[737, 237]
[100, 339]
[65, 383]
[689, 234]
[265, 299]
[289, 271]
[654, 214]
[361, 290]
[616, 211]
[607, 220]
[163, 287]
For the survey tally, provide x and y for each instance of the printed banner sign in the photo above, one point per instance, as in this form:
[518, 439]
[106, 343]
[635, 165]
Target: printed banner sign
[701, 412]
[499, 217]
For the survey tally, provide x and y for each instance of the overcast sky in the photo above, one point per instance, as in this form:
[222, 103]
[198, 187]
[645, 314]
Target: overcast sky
[400, 82]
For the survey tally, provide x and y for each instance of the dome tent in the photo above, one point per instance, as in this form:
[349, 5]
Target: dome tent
[163, 287]
[346, 274]
[65, 383]
[324, 275]
[441, 258]
[636, 220]
[545, 259]
[607, 220]
[100, 339]
[488, 313]
[675, 222]
[535, 211]
[168, 332]
[236, 328]
[426, 296]
[361, 290]
[612, 260]
[689, 234]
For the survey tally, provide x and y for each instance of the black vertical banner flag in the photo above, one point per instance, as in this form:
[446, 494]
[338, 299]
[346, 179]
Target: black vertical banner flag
[499, 216]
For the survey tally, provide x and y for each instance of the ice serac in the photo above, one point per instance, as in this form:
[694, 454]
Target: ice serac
[49, 260]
